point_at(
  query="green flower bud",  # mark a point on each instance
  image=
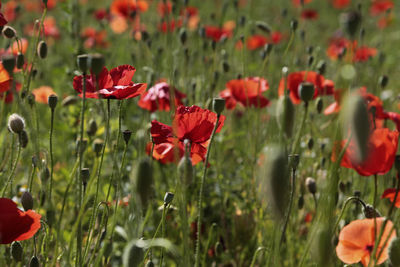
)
(27, 201)
(34, 262)
(8, 63)
(17, 251)
(20, 60)
(42, 49)
(168, 198)
(96, 63)
(311, 185)
(218, 105)
(285, 115)
(263, 26)
(92, 128)
(9, 32)
(16, 123)
(52, 101)
(82, 62)
(306, 91)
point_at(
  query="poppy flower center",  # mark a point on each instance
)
(369, 248)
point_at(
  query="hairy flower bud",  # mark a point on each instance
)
(9, 32)
(17, 251)
(16, 123)
(311, 185)
(8, 62)
(42, 49)
(27, 201)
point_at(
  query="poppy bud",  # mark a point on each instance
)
(263, 26)
(242, 21)
(42, 49)
(310, 49)
(322, 246)
(96, 63)
(92, 128)
(85, 174)
(321, 67)
(16, 251)
(168, 198)
(127, 136)
(8, 62)
(144, 181)
(23, 139)
(98, 146)
(9, 32)
(355, 119)
(303, 38)
(149, 264)
(310, 61)
(311, 185)
(185, 170)
(300, 202)
(183, 35)
(370, 212)
(319, 105)
(293, 24)
(294, 160)
(306, 91)
(394, 252)
(310, 143)
(218, 105)
(20, 60)
(133, 254)
(383, 81)
(16, 123)
(52, 101)
(275, 184)
(27, 201)
(35, 161)
(351, 21)
(44, 174)
(82, 62)
(45, 3)
(34, 262)
(225, 66)
(285, 115)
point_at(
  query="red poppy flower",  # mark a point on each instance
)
(15, 224)
(310, 14)
(170, 26)
(3, 20)
(294, 80)
(8, 96)
(125, 8)
(94, 38)
(256, 41)
(164, 8)
(357, 240)
(217, 33)
(101, 14)
(390, 193)
(247, 91)
(380, 6)
(364, 53)
(336, 47)
(157, 98)
(277, 37)
(339, 4)
(192, 123)
(382, 147)
(115, 84)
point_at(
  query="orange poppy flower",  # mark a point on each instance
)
(390, 193)
(4, 79)
(357, 239)
(42, 94)
(382, 147)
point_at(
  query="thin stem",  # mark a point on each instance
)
(296, 143)
(197, 255)
(344, 208)
(259, 250)
(163, 233)
(11, 176)
(51, 153)
(290, 206)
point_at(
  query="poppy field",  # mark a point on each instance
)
(199, 133)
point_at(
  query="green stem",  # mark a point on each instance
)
(163, 233)
(259, 250)
(51, 153)
(11, 176)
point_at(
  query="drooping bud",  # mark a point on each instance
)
(17, 251)
(310, 143)
(42, 49)
(34, 262)
(168, 198)
(16, 123)
(306, 91)
(355, 120)
(85, 174)
(144, 181)
(52, 101)
(370, 212)
(285, 115)
(311, 185)
(8, 62)
(27, 201)
(23, 139)
(294, 24)
(351, 22)
(96, 63)
(394, 252)
(20, 60)
(9, 32)
(319, 105)
(218, 105)
(82, 62)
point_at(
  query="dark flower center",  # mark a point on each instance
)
(369, 248)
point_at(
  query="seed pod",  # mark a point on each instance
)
(311, 185)
(285, 115)
(218, 105)
(133, 255)
(306, 91)
(42, 49)
(275, 181)
(394, 252)
(370, 212)
(34, 262)
(9, 32)
(16, 123)
(294, 24)
(52, 101)
(351, 22)
(8, 62)
(82, 62)
(17, 251)
(354, 116)
(149, 264)
(319, 105)
(96, 63)
(144, 181)
(27, 201)
(85, 174)
(20, 60)
(23, 139)
(98, 146)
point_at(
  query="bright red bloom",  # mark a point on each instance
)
(390, 193)
(247, 91)
(359, 54)
(294, 80)
(364, 53)
(277, 37)
(171, 26)
(357, 240)
(192, 123)
(94, 38)
(114, 84)
(310, 14)
(380, 6)
(382, 147)
(157, 98)
(337, 47)
(15, 224)
(101, 14)
(125, 8)
(217, 33)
